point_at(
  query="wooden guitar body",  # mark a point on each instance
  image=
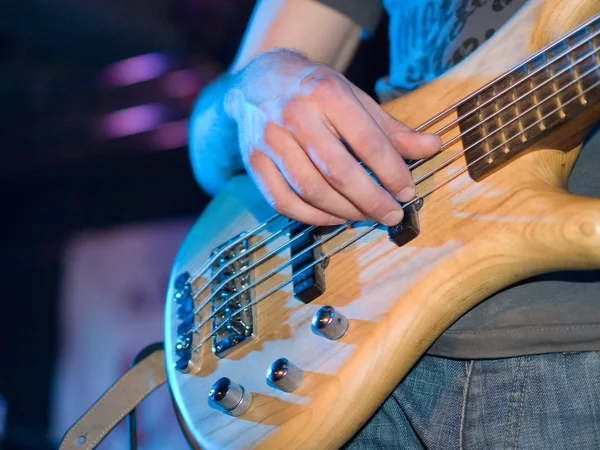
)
(476, 238)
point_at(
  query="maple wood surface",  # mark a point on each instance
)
(476, 238)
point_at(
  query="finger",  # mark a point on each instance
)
(345, 175)
(368, 141)
(409, 143)
(412, 146)
(281, 197)
(303, 177)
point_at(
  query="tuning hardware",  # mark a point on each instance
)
(181, 280)
(183, 345)
(229, 397)
(284, 375)
(184, 294)
(329, 323)
(183, 363)
(185, 308)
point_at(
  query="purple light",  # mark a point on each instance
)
(135, 70)
(130, 121)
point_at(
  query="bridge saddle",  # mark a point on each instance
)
(229, 292)
(234, 294)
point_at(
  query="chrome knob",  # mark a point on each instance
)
(284, 375)
(229, 397)
(329, 323)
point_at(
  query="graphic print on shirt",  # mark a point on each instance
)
(429, 37)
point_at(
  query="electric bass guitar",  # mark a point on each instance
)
(283, 335)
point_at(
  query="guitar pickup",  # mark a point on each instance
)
(409, 228)
(310, 283)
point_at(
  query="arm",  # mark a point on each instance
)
(317, 31)
(280, 114)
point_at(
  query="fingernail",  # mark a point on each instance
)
(434, 139)
(393, 218)
(333, 220)
(406, 194)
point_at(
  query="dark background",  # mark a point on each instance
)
(58, 178)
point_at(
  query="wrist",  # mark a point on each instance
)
(213, 140)
(268, 67)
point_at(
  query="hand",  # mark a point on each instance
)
(291, 114)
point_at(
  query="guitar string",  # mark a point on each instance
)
(518, 99)
(554, 94)
(228, 246)
(416, 181)
(566, 53)
(515, 68)
(247, 252)
(264, 241)
(254, 248)
(247, 268)
(542, 52)
(512, 86)
(433, 120)
(280, 267)
(348, 242)
(341, 228)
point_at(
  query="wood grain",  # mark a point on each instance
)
(476, 238)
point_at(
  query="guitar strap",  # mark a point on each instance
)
(118, 401)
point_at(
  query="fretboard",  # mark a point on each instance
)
(525, 105)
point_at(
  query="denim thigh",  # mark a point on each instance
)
(549, 401)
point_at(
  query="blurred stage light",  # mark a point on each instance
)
(134, 120)
(135, 70)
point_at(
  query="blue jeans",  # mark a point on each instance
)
(549, 401)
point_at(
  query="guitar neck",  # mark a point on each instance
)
(518, 110)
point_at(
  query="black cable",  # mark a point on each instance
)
(131, 418)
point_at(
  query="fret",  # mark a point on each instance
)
(498, 120)
(534, 95)
(592, 43)
(576, 70)
(517, 110)
(526, 104)
(555, 88)
(485, 132)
